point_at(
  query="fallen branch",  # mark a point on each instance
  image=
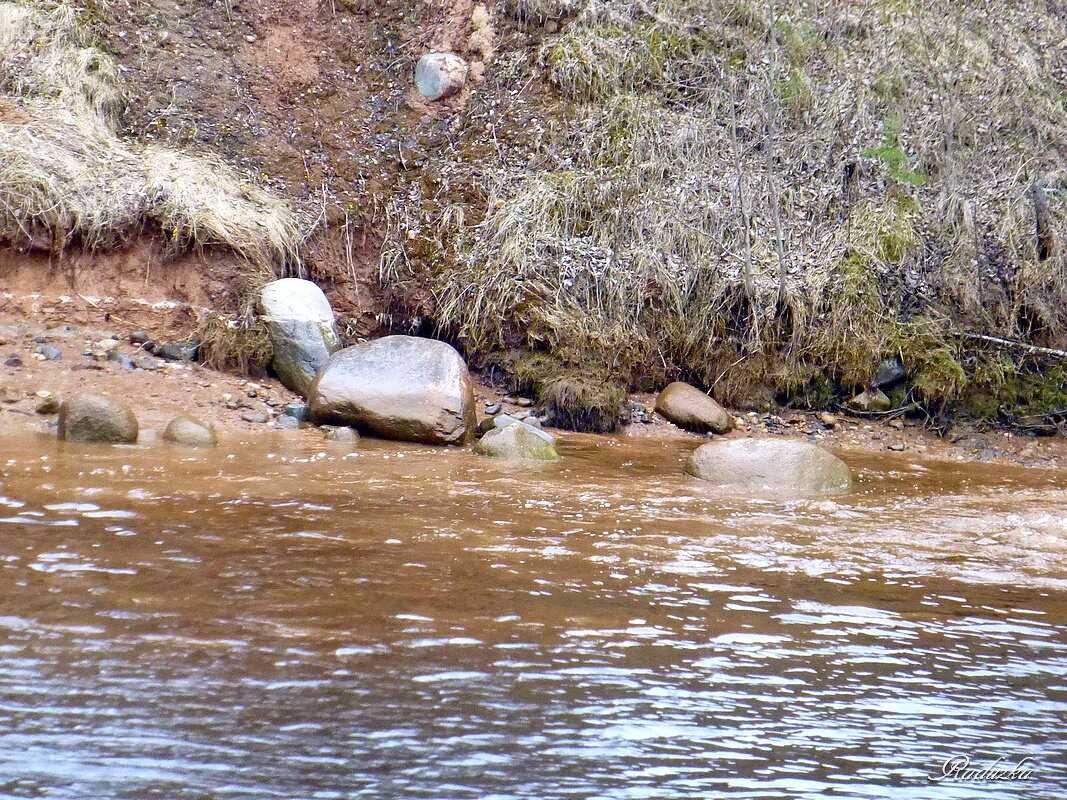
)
(1028, 348)
(899, 411)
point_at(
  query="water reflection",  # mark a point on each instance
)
(403, 622)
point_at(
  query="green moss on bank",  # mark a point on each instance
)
(769, 201)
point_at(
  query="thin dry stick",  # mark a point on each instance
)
(1027, 348)
(750, 291)
(770, 132)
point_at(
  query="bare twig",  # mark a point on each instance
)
(1028, 348)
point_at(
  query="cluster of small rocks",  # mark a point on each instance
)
(98, 348)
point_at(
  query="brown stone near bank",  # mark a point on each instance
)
(769, 464)
(398, 387)
(85, 417)
(191, 432)
(688, 407)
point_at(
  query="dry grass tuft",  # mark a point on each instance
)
(66, 176)
(235, 342)
(764, 199)
(238, 342)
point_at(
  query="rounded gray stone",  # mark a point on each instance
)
(769, 464)
(85, 417)
(191, 432)
(440, 75)
(302, 330)
(516, 442)
(688, 407)
(398, 387)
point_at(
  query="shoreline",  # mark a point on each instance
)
(238, 405)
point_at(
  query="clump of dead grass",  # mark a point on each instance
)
(754, 195)
(67, 176)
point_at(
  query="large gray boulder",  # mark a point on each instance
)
(688, 407)
(518, 441)
(191, 432)
(301, 327)
(440, 75)
(397, 387)
(85, 417)
(769, 464)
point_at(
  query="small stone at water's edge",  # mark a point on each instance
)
(190, 432)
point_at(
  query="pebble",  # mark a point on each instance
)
(896, 424)
(50, 352)
(335, 433)
(258, 417)
(178, 351)
(145, 361)
(287, 422)
(297, 411)
(48, 405)
(140, 337)
(492, 409)
(123, 360)
(897, 447)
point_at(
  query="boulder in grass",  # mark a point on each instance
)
(516, 442)
(85, 417)
(191, 432)
(398, 387)
(302, 330)
(871, 401)
(688, 407)
(769, 464)
(440, 75)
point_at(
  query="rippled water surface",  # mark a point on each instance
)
(292, 619)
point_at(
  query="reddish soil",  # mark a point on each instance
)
(311, 97)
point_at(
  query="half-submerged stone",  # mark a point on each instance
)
(397, 387)
(688, 407)
(85, 417)
(769, 464)
(191, 432)
(300, 322)
(516, 442)
(440, 75)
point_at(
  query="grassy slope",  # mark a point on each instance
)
(764, 198)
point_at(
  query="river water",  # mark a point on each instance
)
(287, 618)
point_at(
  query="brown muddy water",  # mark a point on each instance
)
(292, 619)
